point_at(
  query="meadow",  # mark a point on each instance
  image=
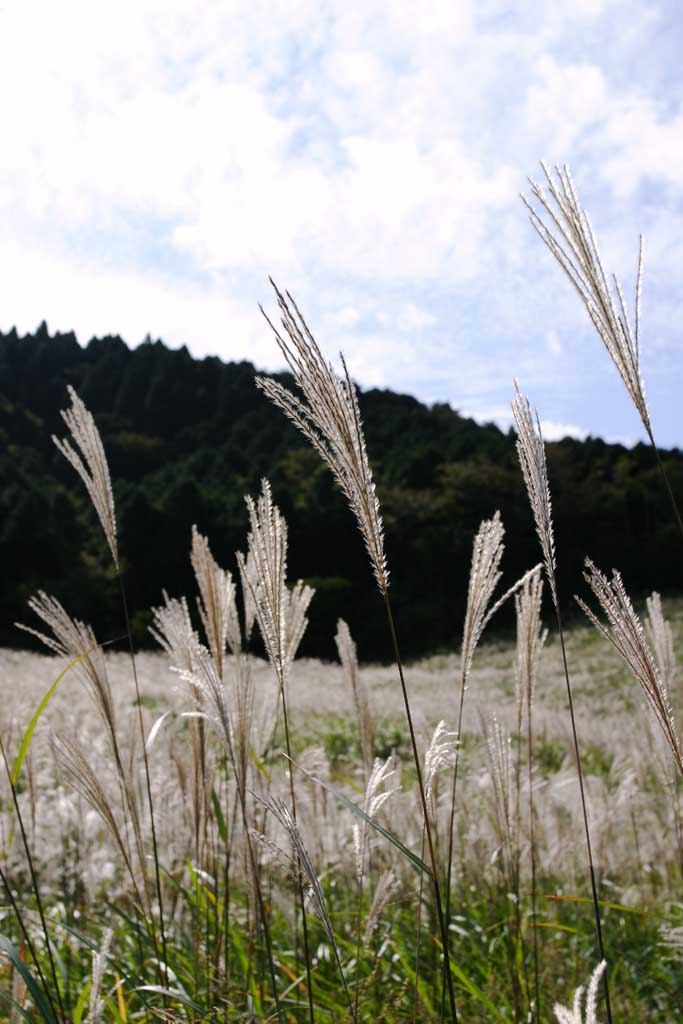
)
(491, 834)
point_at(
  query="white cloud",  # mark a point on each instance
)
(159, 160)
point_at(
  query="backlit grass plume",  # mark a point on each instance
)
(574, 1015)
(567, 232)
(624, 631)
(564, 226)
(90, 462)
(329, 416)
(531, 453)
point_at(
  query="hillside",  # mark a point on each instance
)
(187, 438)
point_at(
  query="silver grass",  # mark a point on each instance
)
(661, 637)
(348, 656)
(624, 631)
(99, 963)
(81, 776)
(565, 1015)
(387, 887)
(563, 225)
(530, 639)
(531, 452)
(90, 462)
(440, 754)
(299, 865)
(329, 416)
(502, 773)
(375, 798)
(248, 577)
(173, 630)
(216, 601)
(485, 574)
(73, 639)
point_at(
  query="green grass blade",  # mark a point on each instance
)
(42, 1005)
(416, 861)
(28, 735)
(24, 1013)
(218, 814)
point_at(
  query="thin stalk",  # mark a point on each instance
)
(667, 483)
(27, 938)
(358, 946)
(155, 848)
(253, 865)
(34, 883)
(419, 931)
(591, 868)
(425, 813)
(532, 853)
(307, 957)
(451, 820)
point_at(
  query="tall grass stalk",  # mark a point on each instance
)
(530, 639)
(568, 234)
(281, 615)
(203, 676)
(531, 452)
(329, 416)
(36, 891)
(485, 574)
(89, 460)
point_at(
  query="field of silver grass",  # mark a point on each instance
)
(200, 835)
(636, 825)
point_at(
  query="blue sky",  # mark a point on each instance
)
(161, 158)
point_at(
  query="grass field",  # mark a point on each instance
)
(634, 825)
(200, 835)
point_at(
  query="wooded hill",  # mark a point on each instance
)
(187, 439)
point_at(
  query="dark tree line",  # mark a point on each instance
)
(187, 439)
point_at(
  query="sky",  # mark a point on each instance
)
(161, 159)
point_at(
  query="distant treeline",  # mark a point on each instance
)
(187, 439)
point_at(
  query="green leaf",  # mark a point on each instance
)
(218, 813)
(25, 1014)
(37, 994)
(601, 903)
(416, 861)
(259, 764)
(28, 735)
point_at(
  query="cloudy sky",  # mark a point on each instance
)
(161, 158)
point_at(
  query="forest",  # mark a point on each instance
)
(188, 438)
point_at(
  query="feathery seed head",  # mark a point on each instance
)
(565, 1015)
(90, 462)
(661, 637)
(216, 603)
(531, 452)
(624, 631)
(349, 659)
(440, 754)
(329, 416)
(567, 233)
(530, 638)
(73, 639)
(280, 612)
(374, 800)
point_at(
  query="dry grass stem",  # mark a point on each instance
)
(625, 632)
(568, 234)
(90, 462)
(329, 416)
